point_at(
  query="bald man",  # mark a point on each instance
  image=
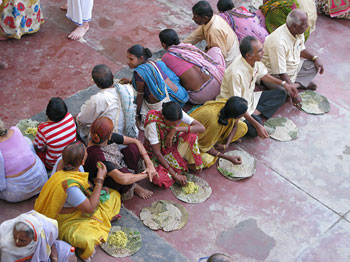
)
(285, 55)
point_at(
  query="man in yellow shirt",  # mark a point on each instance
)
(284, 48)
(214, 30)
(240, 78)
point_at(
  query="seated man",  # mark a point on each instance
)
(112, 101)
(284, 48)
(200, 73)
(214, 30)
(240, 78)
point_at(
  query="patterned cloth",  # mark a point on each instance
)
(19, 17)
(276, 12)
(342, 11)
(172, 154)
(245, 23)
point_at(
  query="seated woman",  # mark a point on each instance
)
(276, 12)
(22, 174)
(83, 220)
(242, 21)
(18, 17)
(200, 73)
(154, 82)
(336, 10)
(222, 127)
(173, 148)
(33, 237)
(101, 134)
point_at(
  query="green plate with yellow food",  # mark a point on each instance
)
(122, 242)
(197, 190)
(237, 172)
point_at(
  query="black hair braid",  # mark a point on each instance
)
(222, 117)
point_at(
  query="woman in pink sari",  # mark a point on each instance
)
(242, 21)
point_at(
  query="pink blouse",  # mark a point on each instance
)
(176, 64)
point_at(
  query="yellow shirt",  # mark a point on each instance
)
(282, 52)
(239, 80)
(309, 7)
(216, 32)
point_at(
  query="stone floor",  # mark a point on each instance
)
(297, 205)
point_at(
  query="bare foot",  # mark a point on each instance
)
(79, 32)
(142, 192)
(64, 7)
(312, 86)
(3, 65)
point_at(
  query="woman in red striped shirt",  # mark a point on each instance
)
(55, 134)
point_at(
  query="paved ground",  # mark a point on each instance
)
(297, 205)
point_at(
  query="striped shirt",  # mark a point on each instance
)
(55, 136)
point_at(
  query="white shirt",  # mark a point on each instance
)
(239, 80)
(282, 52)
(105, 103)
(151, 133)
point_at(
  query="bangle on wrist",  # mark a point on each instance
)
(98, 180)
(189, 129)
(314, 58)
(283, 83)
(218, 154)
(224, 147)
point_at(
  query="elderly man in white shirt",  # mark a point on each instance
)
(240, 78)
(284, 53)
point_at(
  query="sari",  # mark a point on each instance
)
(156, 84)
(276, 12)
(245, 23)
(20, 17)
(83, 231)
(333, 8)
(208, 115)
(183, 150)
(39, 249)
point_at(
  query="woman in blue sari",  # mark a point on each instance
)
(154, 82)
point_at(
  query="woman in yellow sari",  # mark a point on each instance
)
(222, 127)
(83, 219)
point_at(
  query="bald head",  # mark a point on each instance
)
(296, 17)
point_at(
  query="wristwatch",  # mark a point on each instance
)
(314, 58)
(283, 83)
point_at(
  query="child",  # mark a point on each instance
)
(55, 134)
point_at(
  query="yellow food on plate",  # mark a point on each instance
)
(118, 239)
(31, 131)
(190, 188)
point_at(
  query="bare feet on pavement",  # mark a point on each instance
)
(142, 192)
(79, 32)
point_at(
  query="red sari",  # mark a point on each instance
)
(171, 154)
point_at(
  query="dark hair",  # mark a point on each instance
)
(101, 129)
(169, 37)
(171, 111)
(225, 5)
(56, 109)
(246, 45)
(73, 155)
(102, 76)
(218, 257)
(139, 51)
(202, 8)
(235, 106)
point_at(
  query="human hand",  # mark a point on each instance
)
(236, 160)
(106, 189)
(319, 66)
(297, 102)
(262, 132)
(151, 172)
(124, 81)
(292, 89)
(169, 138)
(181, 179)
(101, 170)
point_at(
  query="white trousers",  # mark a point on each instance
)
(79, 11)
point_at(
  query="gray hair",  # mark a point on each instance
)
(246, 45)
(21, 227)
(3, 129)
(294, 17)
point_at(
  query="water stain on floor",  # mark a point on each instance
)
(246, 239)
